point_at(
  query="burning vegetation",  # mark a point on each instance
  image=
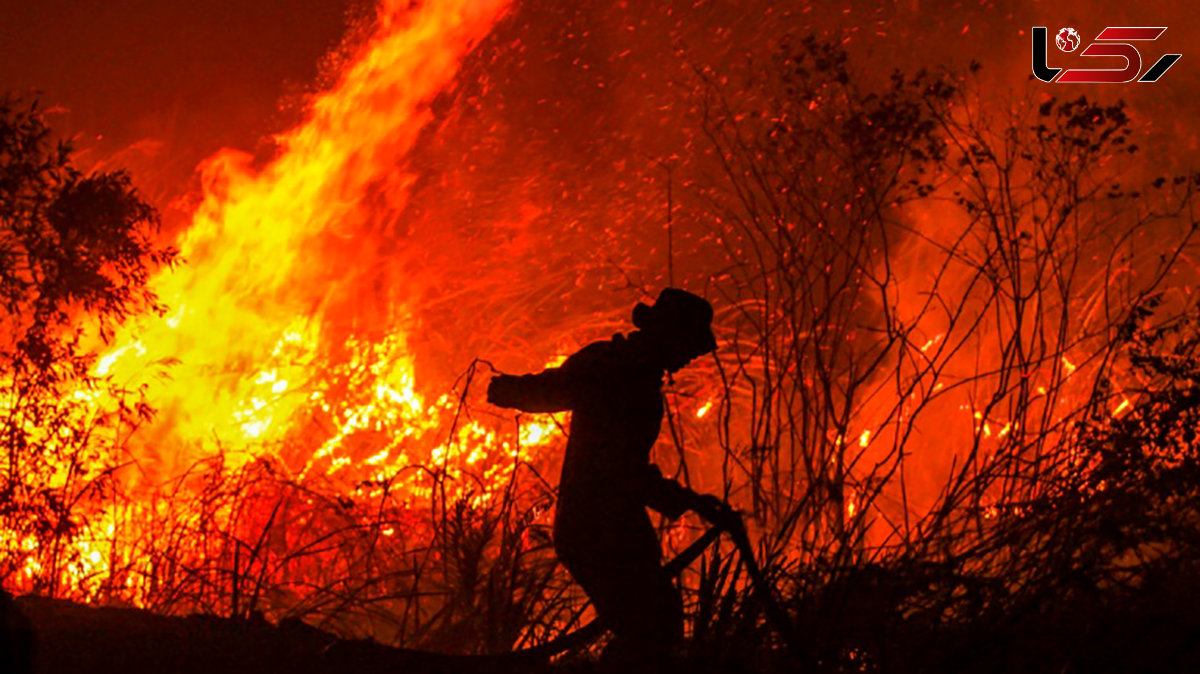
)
(954, 396)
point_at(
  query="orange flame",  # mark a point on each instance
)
(274, 337)
(273, 255)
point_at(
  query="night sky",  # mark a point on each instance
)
(157, 86)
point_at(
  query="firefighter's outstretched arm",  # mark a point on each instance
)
(548, 391)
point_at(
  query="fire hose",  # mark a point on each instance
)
(730, 523)
(726, 521)
(766, 593)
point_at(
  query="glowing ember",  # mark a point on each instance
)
(287, 355)
(258, 338)
(272, 347)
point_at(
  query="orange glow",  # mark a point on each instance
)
(255, 309)
(261, 349)
(287, 345)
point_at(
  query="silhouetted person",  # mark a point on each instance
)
(602, 532)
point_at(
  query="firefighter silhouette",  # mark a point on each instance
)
(602, 532)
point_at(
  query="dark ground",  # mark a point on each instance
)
(68, 637)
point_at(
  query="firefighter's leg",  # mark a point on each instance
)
(647, 623)
(618, 565)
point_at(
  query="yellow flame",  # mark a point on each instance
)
(1125, 404)
(269, 251)
(258, 346)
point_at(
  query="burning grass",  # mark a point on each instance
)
(953, 395)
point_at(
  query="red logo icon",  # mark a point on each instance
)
(1113, 41)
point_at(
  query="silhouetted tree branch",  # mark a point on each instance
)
(76, 252)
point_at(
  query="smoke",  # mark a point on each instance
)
(516, 211)
(551, 143)
(544, 173)
(157, 87)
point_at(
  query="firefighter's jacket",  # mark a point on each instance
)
(614, 390)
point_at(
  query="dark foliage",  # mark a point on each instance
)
(1069, 543)
(1063, 535)
(76, 252)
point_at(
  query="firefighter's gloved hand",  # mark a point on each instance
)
(502, 390)
(715, 511)
(666, 496)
